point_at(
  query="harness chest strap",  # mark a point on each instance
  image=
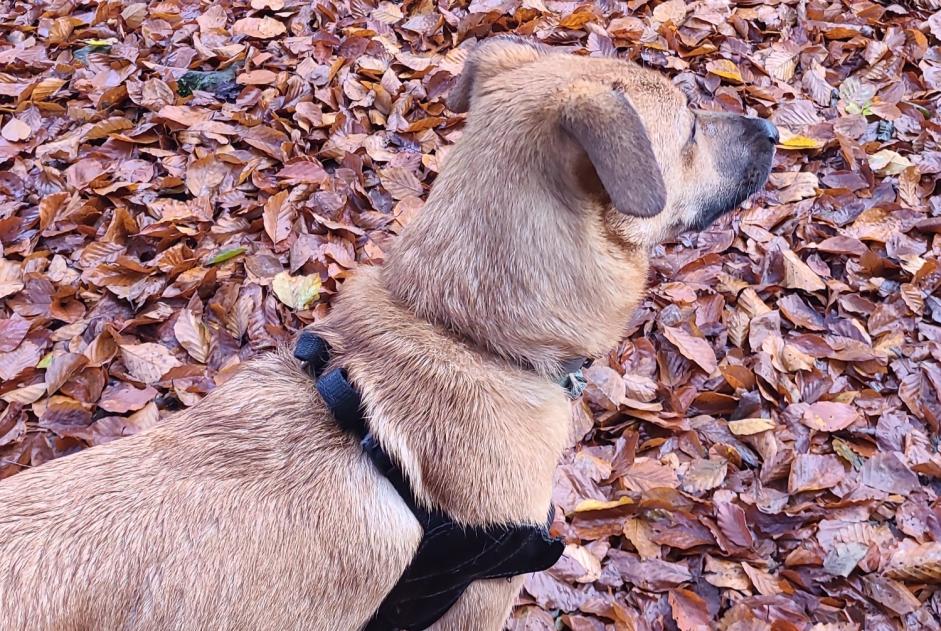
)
(450, 556)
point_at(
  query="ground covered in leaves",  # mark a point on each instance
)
(185, 184)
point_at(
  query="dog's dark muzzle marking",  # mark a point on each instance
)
(450, 556)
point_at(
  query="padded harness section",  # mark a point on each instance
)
(450, 556)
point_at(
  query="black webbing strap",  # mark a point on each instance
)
(450, 556)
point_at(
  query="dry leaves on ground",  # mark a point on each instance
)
(184, 185)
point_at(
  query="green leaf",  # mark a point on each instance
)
(224, 255)
(845, 451)
(46, 361)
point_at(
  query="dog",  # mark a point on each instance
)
(254, 510)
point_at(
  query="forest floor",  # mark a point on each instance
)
(761, 453)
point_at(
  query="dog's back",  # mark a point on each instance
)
(215, 519)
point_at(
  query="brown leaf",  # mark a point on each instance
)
(810, 472)
(604, 387)
(13, 363)
(124, 397)
(192, 335)
(11, 278)
(694, 348)
(303, 171)
(62, 369)
(727, 574)
(279, 217)
(268, 140)
(893, 594)
(637, 531)
(689, 610)
(916, 563)
(24, 396)
(765, 583)
(830, 416)
(886, 472)
(704, 475)
(257, 77)
(798, 275)
(647, 473)
(205, 176)
(749, 426)
(731, 520)
(101, 350)
(262, 28)
(400, 182)
(16, 130)
(147, 362)
(654, 575)
(13, 330)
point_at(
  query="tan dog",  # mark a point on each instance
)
(252, 510)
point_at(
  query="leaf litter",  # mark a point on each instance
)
(184, 186)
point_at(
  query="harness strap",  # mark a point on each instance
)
(450, 556)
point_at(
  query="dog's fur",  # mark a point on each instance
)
(252, 510)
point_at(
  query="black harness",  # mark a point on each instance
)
(450, 556)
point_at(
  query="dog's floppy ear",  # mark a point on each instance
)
(601, 119)
(488, 59)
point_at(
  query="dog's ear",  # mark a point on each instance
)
(488, 59)
(601, 119)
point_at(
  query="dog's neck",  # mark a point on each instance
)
(534, 278)
(462, 405)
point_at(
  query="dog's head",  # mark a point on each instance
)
(612, 130)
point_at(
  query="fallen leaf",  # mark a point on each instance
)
(123, 397)
(257, 77)
(279, 217)
(62, 368)
(297, 292)
(916, 563)
(689, 610)
(148, 362)
(16, 130)
(798, 275)
(830, 416)
(694, 348)
(262, 28)
(797, 142)
(705, 474)
(749, 426)
(646, 474)
(725, 69)
(810, 472)
(192, 335)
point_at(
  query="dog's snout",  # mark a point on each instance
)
(771, 131)
(761, 128)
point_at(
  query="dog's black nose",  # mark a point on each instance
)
(770, 131)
